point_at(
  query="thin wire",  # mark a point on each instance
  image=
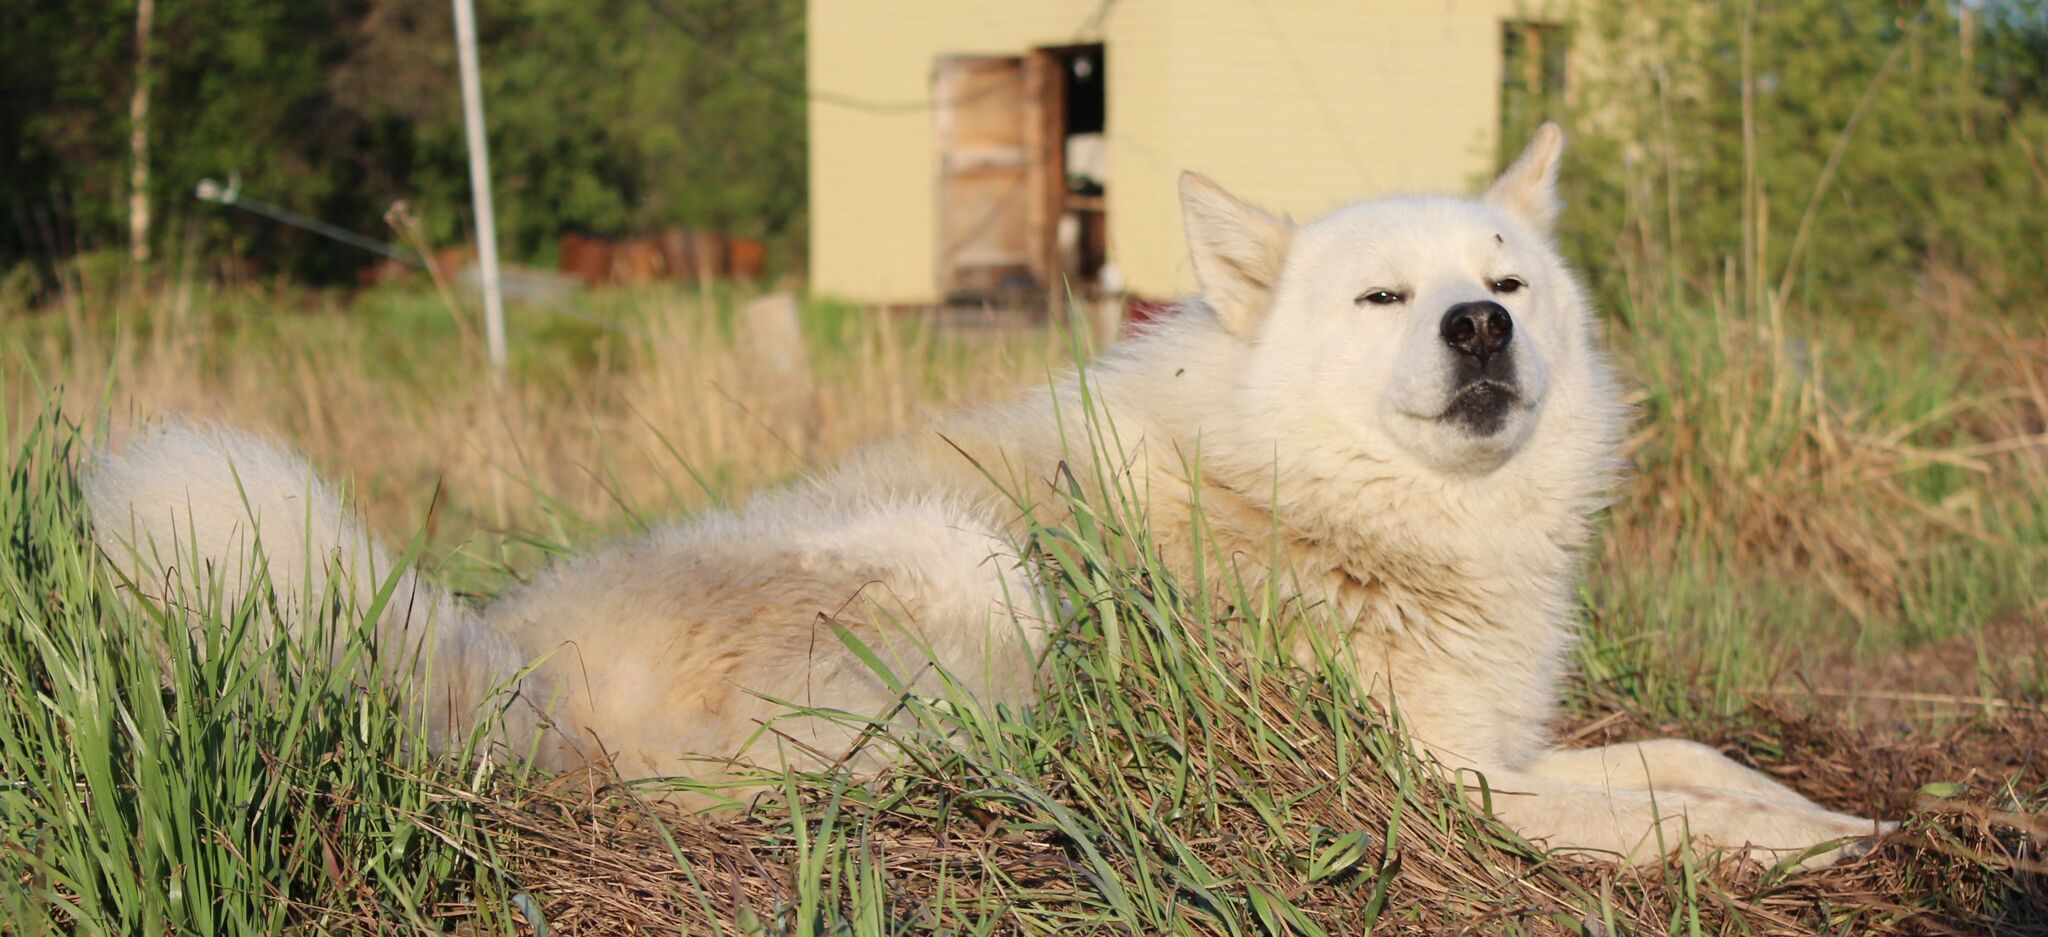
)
(315, 225)
(258, 206)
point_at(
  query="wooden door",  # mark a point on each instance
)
(989, 130)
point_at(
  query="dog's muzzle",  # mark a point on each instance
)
(1483, 385)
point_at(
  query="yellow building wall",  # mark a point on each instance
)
(1299, 105)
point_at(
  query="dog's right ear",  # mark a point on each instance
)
(1238, 251)
(1528, 189)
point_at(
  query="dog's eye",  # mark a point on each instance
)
(1506, 285)
(1381, 298)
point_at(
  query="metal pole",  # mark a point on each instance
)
(480, 183)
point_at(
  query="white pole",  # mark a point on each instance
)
(480, 184)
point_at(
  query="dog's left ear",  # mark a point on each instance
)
(1528, 189)
(1238, 249)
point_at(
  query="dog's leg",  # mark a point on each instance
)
(1659, 764)
(1640, 826)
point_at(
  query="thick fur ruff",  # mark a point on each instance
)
(1399, 412)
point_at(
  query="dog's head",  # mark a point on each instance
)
(1440, 325)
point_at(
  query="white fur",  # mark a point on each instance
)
(1450, 556)
(181, 508)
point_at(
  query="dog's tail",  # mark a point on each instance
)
(186, 511)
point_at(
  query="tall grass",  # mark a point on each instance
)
(181, 768)
(1822, 510)
(1819, 492)
(640, 405)
(169, 770)
(1843, 454)
(1815, 493)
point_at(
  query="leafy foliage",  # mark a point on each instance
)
(607, 117)
(1911, 137)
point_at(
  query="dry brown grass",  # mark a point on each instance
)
(1818, 500)
(1791, 455)
(573, 440)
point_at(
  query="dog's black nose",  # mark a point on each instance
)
(1478, 329)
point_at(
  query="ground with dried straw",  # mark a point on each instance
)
(1969, 860)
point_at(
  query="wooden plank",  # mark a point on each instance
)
(986, 166)
(1044, 181)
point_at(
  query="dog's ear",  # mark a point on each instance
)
(1528, 189)
(1238, 251)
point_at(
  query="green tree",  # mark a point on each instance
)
(688, 113)
(1939, 169)
(605, 117)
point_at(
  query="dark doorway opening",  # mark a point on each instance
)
(1080, 235)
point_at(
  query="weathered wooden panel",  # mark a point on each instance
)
(983, 127)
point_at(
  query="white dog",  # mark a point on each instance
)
(1400, 413)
